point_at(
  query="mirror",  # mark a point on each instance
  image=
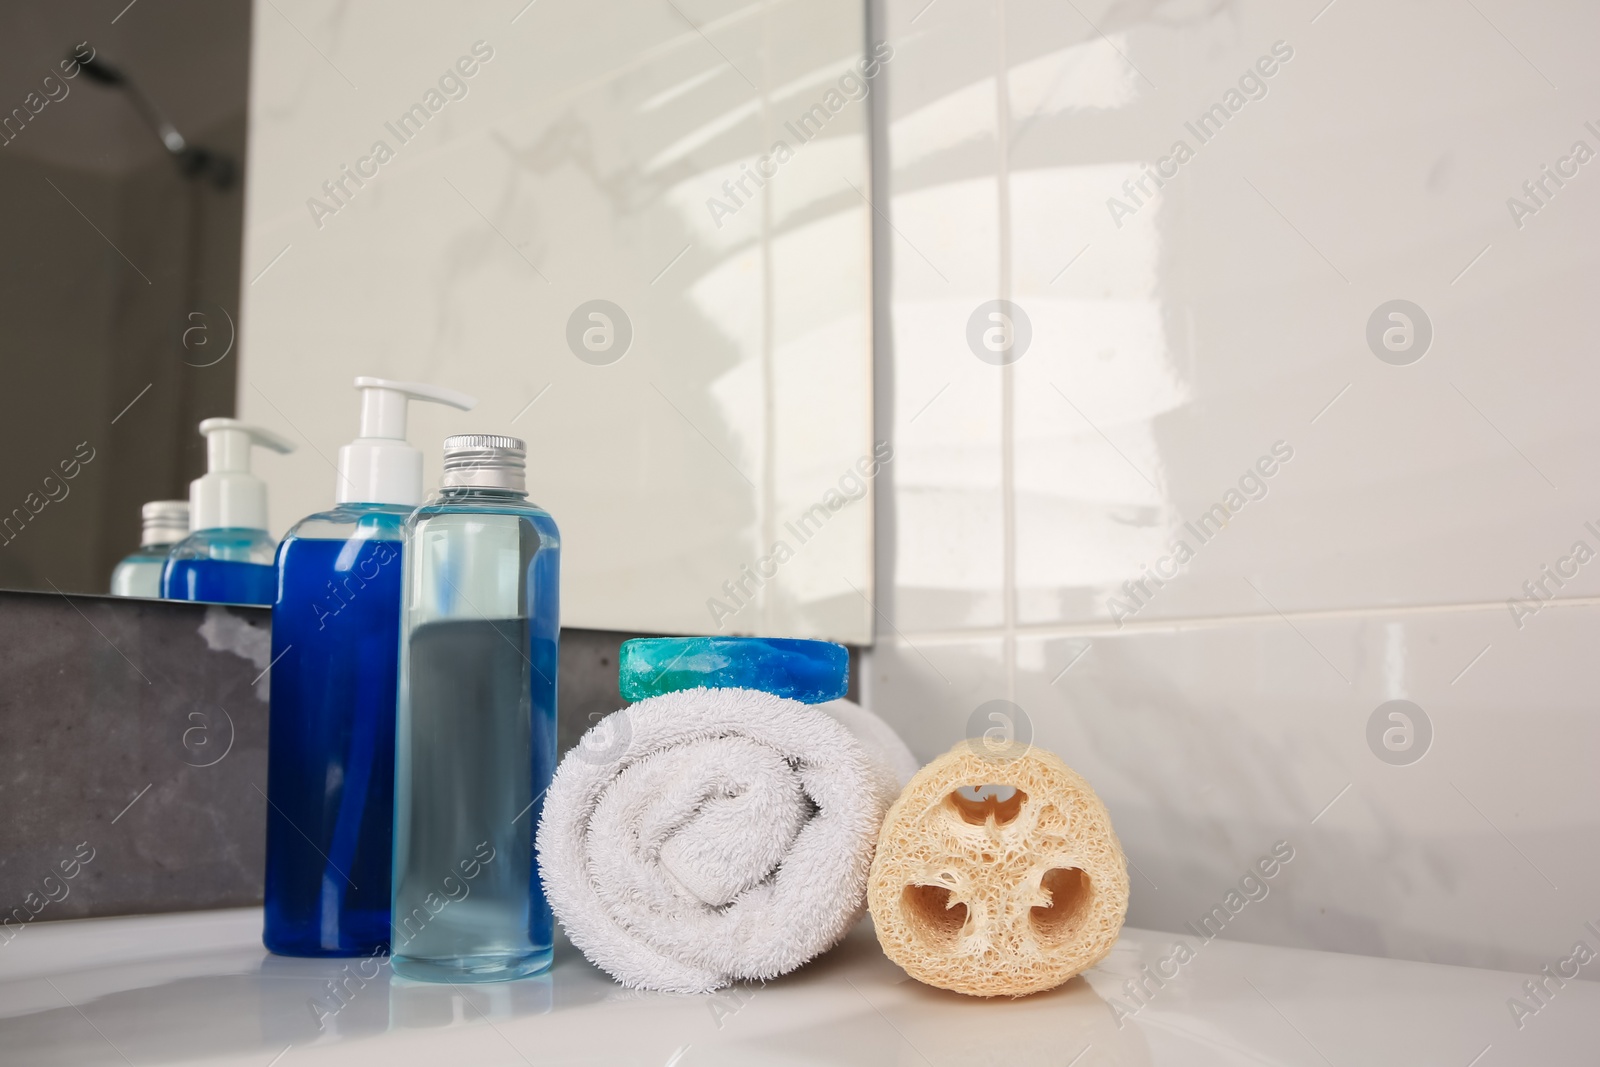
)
(122, 145)
(638, 232)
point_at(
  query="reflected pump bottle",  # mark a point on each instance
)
(335, 649)
(476, 735)
(228, 559)
(166, 522)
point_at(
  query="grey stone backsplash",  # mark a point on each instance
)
(133, 765)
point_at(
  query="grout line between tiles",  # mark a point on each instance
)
(1008, 380)
(1206, 622)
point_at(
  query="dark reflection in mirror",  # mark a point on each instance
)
(122, 139)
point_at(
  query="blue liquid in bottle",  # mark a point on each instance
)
(330, 769)
(223, 566)
(475, 739)
(139, 574)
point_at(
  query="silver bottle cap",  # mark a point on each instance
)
(485, 461)
(166, 522)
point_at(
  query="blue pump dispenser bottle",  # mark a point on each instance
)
(335, 646)
(228, 557)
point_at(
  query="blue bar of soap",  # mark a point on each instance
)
(811, 672)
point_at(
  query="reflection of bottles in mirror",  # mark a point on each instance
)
(166, 522)
(475, 738)
(227, 566)
(228, 559)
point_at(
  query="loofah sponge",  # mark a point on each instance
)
(997, 873)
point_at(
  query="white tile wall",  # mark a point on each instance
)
(577, 164)
(1228, 708)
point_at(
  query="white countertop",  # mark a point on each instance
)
(199, 989)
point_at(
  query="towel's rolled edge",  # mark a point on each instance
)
(610, 746)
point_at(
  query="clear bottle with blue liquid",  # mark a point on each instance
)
(228, 559)
(475, 744)
(335, 651)
(165, 523)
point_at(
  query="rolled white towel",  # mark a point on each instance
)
(711, 835)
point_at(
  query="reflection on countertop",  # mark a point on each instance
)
(198, 988)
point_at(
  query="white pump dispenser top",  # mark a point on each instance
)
(228, 496)
(380, 466)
